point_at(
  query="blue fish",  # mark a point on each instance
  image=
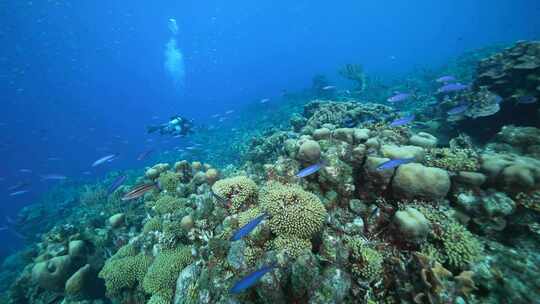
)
(527, 100)
(393, 163)
(446, 79)
(251, 279)
(402, 121)
(247, 228)
(399, 97)
(116, 183)
(452, 87)
(310, 169)
(458, 110)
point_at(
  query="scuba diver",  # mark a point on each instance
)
(177, 126)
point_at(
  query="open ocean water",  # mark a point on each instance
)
(270, 151)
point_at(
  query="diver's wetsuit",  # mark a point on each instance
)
(177, 126)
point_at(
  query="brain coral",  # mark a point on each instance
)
(162, 274)
(240, 190)
(293, 211)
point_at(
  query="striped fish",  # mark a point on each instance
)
(139, 191)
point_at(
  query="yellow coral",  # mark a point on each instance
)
(167, 204)
(162, 274)
(246, 216)
(153, 224)
(293, 211)
(158, 299)
(252, 254)
(367, 262)
(124, 272)
(529, 201)
(169, 181)
(240, 190)
(453, 159)
(293, 246)
(459, 246)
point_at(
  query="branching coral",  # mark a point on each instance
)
(124, 270)
(162, 274)
(450, 243)
(291, 245)
(173, 232)
(248, 215)
(459, 246)
(529, 201)
(252, 254)
(153, 224)
(169, 181)
(367, 263)
(293, 211)
(167, 204)
(455, 159)
(240, 190)
(321, 112)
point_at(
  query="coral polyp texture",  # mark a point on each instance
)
(292, 211)
(241, 191)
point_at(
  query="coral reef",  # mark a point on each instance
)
(455, 159)
(293, 211)
(160, 279)
(457, 224)
(240, 191)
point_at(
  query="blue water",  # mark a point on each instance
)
(82, 79)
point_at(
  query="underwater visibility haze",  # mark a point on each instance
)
(270, 151)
